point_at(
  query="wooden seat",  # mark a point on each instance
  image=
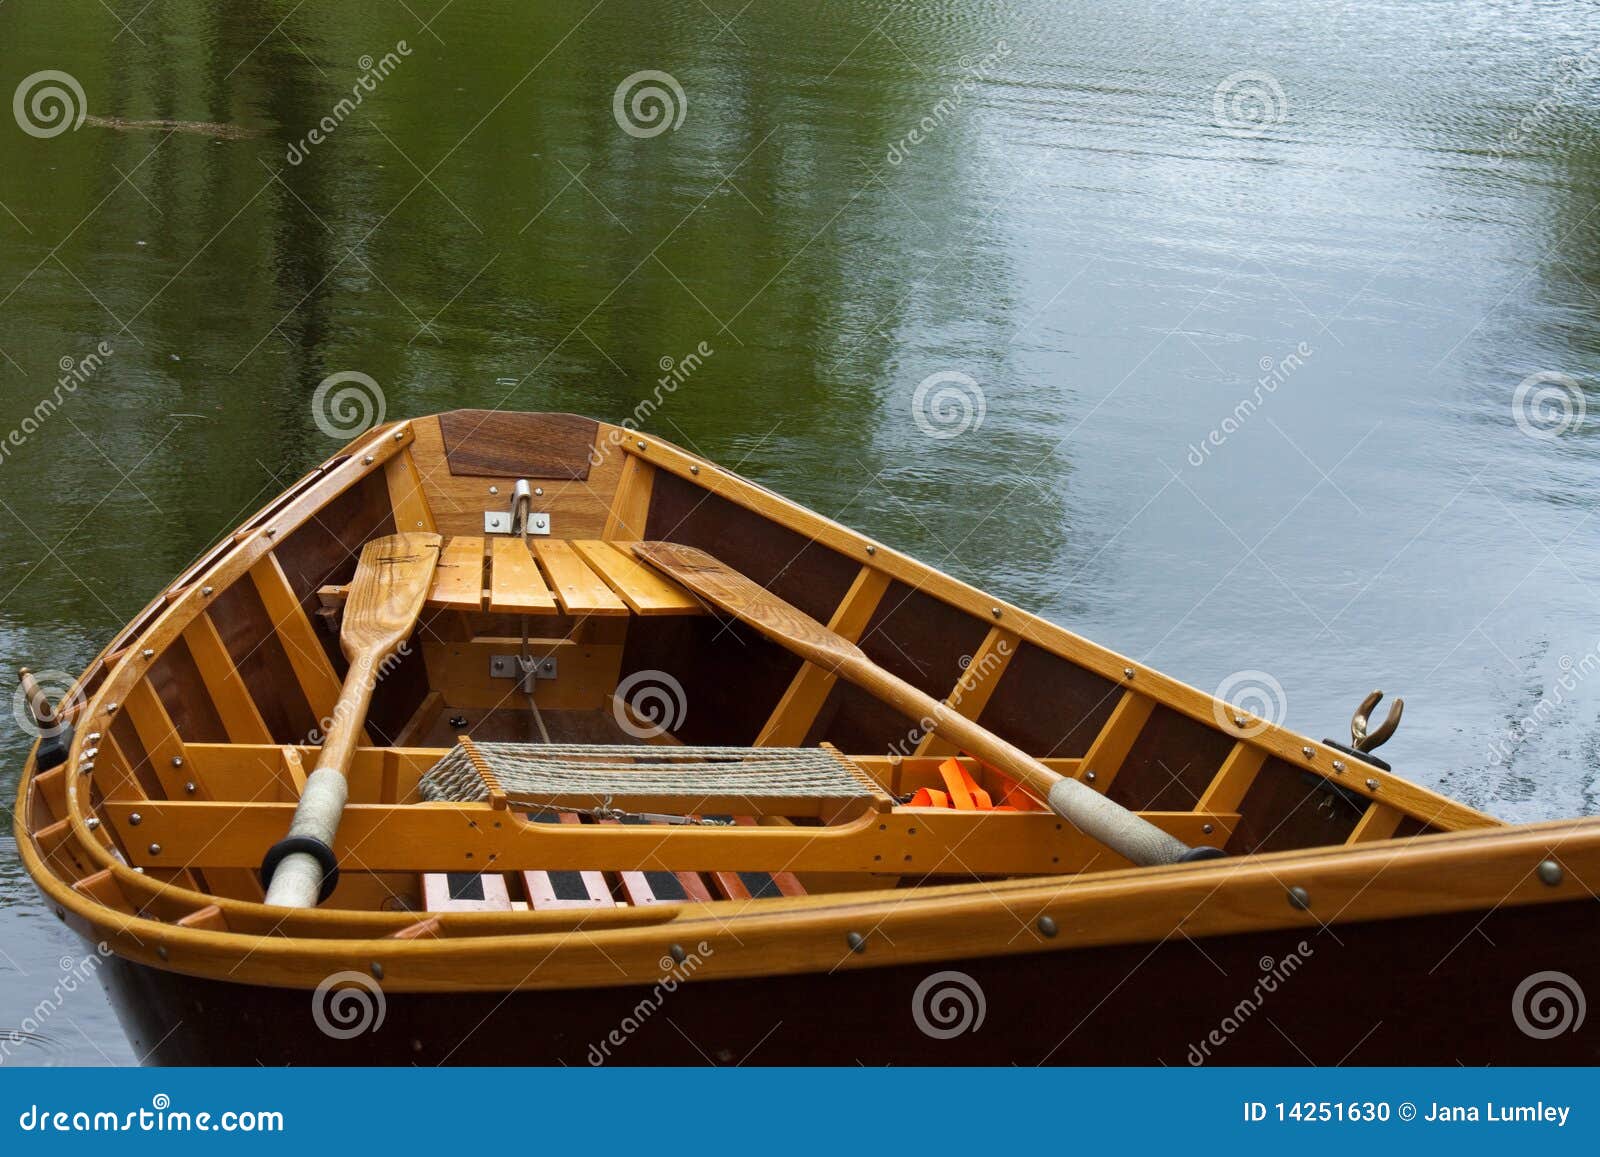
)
(565, 889)
(643, 889)
(755, 885)
(465, 892)
(502, 576)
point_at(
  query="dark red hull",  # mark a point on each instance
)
(1437, 990)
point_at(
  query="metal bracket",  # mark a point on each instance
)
(499, 522)
(509, 667)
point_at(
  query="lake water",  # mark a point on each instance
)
(1279, 317)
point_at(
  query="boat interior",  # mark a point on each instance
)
(543, 636)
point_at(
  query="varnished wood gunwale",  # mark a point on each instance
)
(166, 618)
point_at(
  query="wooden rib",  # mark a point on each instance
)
(312, 670)
(579, 590)
(428, 929)
(240, 717)
(1378, 822)
(515, 585)
(976, 684)
(210, 918)
(158, 735)
(1233, 779)
(458, 582)
(797, 710)
(411, 510)
(645, 591)
(113, 771)
(1116, 739)
(630, 509)
(291, 773)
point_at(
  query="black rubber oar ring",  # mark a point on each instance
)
(311, 846)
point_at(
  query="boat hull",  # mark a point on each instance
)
(1437, 990)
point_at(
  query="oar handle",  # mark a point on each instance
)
(1129, 835)
(300, 870)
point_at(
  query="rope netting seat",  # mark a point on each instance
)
(530, 773)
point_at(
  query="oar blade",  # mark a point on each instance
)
(391, 582)
(724, 589)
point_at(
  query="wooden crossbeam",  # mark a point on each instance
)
(465, 837)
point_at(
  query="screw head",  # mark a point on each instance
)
(694, 470)
(1338, 765)
(155, 849)
(1550, 872)
(1240, 721)
(538, 491)
(996, 612)
(856, 941)
(641, 444)
(1127, 672)
(1047, 927)
(376, 969)
(1372, 785)
(91, 823)
(1089, 776)
(136, 819)
(177, 761)
(494, 490)
(677, 953)
(1207, 829)
(161, 951)
(148, 653)
(872, 550)
(399, 435)
(191, 787)
(1308, 752)
(1299, 898)
(208, 591)
(366, 460)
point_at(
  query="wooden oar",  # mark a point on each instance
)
(727, 590)
(391, 581)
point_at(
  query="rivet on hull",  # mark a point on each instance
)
(377, 970)
(1550, 872)
(1047, 927)
(856, 941)
(155, 849)
(677, 953)
(1299, 898)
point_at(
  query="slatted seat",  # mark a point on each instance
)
(643, 889)
(465, 892)
(567, 889)
(501, 575)
(755, 885)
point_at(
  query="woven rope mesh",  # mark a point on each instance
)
(531, 772)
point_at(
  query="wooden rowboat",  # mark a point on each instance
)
(756, 854)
